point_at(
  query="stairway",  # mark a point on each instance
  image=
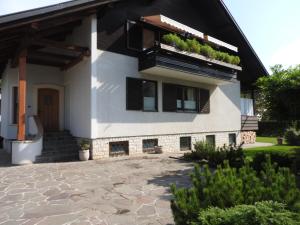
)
(58, 146)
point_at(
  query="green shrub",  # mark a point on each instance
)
(261, 213)
(193, 45)
(229, 187)
(292, 136)
(281, 159)
(208, 51)
(216, 155)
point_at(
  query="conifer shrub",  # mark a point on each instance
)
(215, 156)
(261, 213)
(228, 187)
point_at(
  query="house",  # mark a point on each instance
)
(104, 70)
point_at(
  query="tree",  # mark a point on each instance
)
(280, 93)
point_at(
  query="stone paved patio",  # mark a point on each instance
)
(129, 191)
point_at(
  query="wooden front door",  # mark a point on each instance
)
(48, 108)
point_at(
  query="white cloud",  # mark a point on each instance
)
(287, 55)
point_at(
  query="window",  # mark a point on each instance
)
(141, 94)
(134, 35)
(15, 105)
(177, 98)
(232, 139)
(118, 148)
(149, 144)
(185, 143)
(210, 139)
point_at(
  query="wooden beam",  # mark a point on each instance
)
(23, 45)
(45, 62)
(22, 96)
(51, 56)
(56, 44)
(73, 63)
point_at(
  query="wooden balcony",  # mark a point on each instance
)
(165, 60)
(249, 123)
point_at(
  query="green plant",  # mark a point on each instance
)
(192, 45)
(261, 213)
(229, 187)
(292, 135)
(216, 155)
(208, 51)
(84, 145)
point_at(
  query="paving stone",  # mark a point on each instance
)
(123, 191)
(146, 210)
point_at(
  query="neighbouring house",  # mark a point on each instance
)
(113, 72)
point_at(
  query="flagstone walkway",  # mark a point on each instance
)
(123, 191)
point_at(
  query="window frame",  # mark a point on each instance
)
(125, 144)
(232, 134)
(214, 138)
(145, 150)
(142, 95)
(183, 88)
(189, 141)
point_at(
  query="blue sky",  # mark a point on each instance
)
(271, 26)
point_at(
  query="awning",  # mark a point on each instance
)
(169, 24)
(172, 25)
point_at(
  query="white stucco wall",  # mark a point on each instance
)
(111, 119)
(77, 81)
(37, 76)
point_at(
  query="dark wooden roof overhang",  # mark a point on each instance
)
(43, 32)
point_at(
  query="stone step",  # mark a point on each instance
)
(58, 146)
(57, 158)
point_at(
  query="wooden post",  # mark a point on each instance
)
(22, 96)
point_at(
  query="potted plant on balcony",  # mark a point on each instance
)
(84, 151)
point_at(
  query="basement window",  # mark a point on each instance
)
(211, 139)
(232, 139)
(185, 143)
(149, 144)
(118, 148)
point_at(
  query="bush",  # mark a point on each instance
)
(192, 45)
(216, 155)
(261, 213)
(229, 187)
(292, 136)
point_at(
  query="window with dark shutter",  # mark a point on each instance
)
(141, 94)
(134, 36)
(169, 97)
(204, 105)
(134, 89)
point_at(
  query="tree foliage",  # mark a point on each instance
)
(280, 93)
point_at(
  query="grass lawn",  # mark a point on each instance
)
(281, 149)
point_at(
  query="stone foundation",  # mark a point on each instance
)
(169, 143)
(248, 137)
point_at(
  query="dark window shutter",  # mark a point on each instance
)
(134, 36)
(169, 97)
(134, 94)
(204, 105)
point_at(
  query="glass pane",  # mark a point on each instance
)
(185, 143)
(232, 139)
(190, 99)
(210, 139)
(149, 93)
(179, 97)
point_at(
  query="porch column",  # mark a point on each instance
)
(22, 96)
